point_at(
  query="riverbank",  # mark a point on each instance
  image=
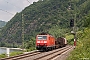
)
(5, 50)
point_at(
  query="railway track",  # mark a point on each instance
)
(40, 55)
(53, 54)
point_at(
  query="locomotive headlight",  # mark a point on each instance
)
(45, 41)
(38, 41)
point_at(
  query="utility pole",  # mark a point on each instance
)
(22, 31)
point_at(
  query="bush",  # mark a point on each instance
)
(70, 38)
(31, 49)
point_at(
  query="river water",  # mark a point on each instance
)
(4, 50)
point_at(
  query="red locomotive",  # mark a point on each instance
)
(46, 42)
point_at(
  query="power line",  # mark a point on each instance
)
(12, 4)
(28, 1)
(7, 11)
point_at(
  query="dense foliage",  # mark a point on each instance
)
(50, 16)
(82, 50)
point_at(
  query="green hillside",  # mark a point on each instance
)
(52, 16)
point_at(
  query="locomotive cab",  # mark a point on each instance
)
(45, 42)
(41, 41)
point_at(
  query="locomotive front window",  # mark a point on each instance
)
(42, 37)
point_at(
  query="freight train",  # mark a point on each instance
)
(47, 42)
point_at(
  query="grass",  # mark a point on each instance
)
(16, 53)
(2, 55)
(11, 54)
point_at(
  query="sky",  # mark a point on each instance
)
(8, 8)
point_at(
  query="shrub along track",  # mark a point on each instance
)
(40, 55)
